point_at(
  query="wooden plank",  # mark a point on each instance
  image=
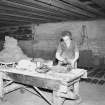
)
(5, 21)
(12, 21)
(53, 75)
(101, 3)
(67, 7)
(6, 24)
(24, 16)
(27, 6)
(61, 78)
(85, 7)
(34, 81)
(29, 73)
(21, 18)
(29, 9)
(32, 14)
(45, 7)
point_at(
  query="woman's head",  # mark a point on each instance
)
(66, 34)
(66, 37)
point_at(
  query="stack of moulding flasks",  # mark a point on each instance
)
(96, 76)
(85, 59)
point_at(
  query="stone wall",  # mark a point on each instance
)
(91, 43)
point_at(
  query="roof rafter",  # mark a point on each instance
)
(44, 7)
(21, 18)
(28, 15)
(66, 6)
(84, 7)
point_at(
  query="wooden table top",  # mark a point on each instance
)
(49, 80)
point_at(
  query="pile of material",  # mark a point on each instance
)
(38, 65)
(27, 65)
(11, 52)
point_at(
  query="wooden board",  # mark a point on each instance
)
(50, 80)
(35, 81)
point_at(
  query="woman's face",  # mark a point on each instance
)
(67, 40)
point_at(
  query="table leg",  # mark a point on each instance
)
(76, 88)
(42, 95)
(1, 85)
(57, 100)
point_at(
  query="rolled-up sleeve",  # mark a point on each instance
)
(59, 50)
(76, 48)
(59, 53)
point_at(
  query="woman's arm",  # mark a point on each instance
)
(76, 55)
(58, 53)
(73, 61)
(59, 57)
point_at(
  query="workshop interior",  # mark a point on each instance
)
(33, 39)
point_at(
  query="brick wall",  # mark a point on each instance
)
(92, 49)
(48, 35)
(95, 33)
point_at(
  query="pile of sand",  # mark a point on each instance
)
(11, 52)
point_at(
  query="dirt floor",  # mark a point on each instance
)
(91, 95)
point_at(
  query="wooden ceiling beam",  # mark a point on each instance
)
(4, 25)
(68, 7)
(101, 3)
(61, 6)
(13, 21)
(85, 7)
(10, 24)
(21, 18)
(42, 7)
(26, 8)
(37, 13)
(28, 15)
(31, 7)
(9, 18)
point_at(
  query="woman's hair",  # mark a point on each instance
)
(66, 33)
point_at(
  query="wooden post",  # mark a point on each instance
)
(57, 100)
(34, 37)
(1, 85)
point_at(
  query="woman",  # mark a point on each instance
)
(68, 53)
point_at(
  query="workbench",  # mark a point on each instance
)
(57, 82)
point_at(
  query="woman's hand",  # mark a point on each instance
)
(59, 57)
(71, 62)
